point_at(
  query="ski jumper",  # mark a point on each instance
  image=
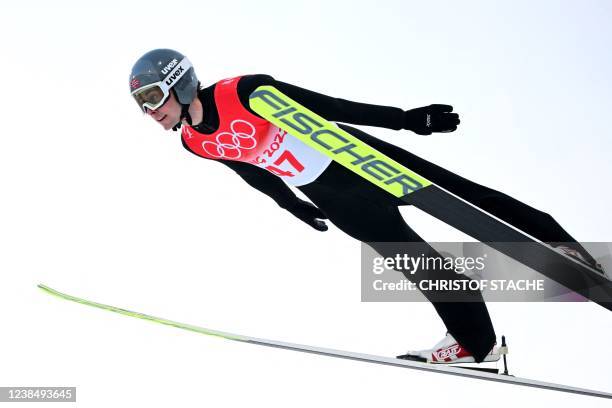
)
(236, 136)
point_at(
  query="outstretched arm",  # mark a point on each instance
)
(423, 121)
(276, 189)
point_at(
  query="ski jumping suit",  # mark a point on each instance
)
(266, 158)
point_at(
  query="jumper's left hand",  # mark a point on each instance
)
(432, 118)
(309, 213)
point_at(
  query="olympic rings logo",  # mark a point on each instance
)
(230, 145)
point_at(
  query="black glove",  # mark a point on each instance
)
(308, 213)
(432, 118)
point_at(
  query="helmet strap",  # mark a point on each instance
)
(185, 113)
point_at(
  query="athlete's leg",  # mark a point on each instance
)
(378, 223)
(528, 219)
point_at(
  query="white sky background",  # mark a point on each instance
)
(100, 202)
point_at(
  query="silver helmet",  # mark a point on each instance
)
(157, 73)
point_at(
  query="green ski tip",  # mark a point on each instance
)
(142, 316)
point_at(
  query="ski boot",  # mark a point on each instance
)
(449, 351)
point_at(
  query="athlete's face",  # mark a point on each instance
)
(167, 115)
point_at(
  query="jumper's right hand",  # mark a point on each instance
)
(309, 213)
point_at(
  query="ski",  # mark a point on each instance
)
(369, 358)
(412, 188)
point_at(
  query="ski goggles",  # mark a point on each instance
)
(153, 96)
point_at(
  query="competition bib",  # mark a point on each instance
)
(248, 138)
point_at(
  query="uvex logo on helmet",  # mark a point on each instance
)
(168, 67)
(176, 75)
